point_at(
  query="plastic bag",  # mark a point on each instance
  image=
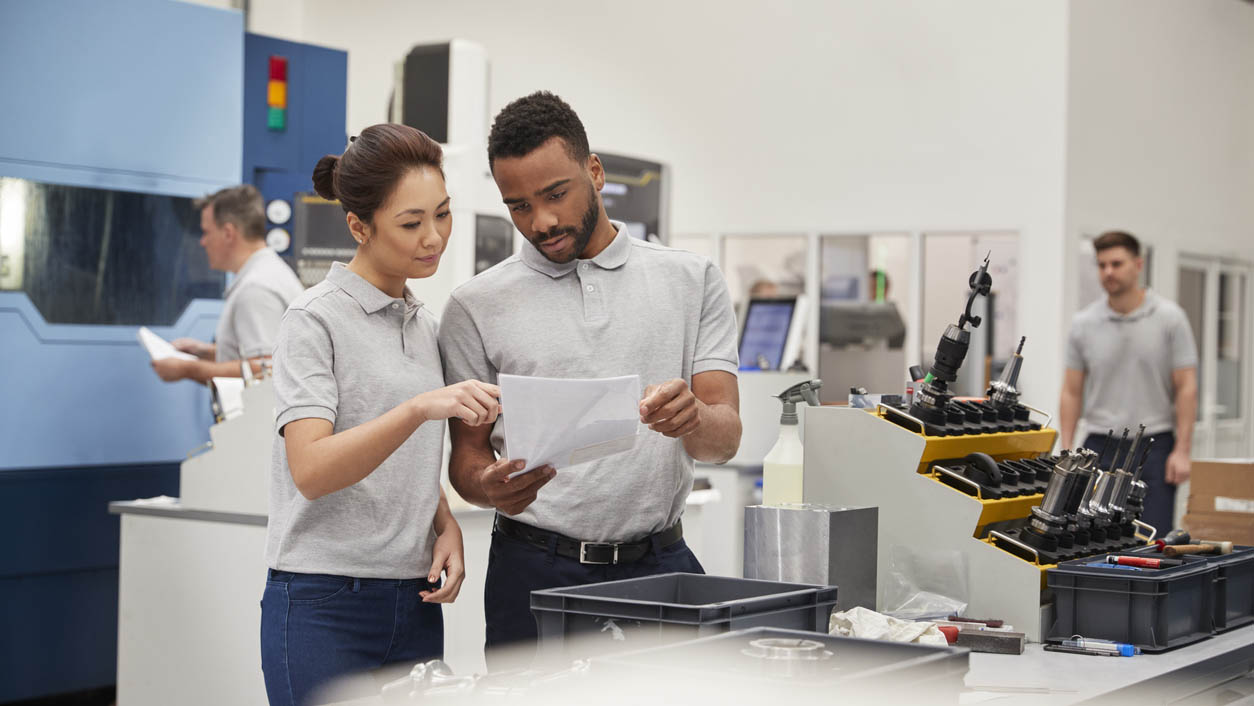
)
(925, 584)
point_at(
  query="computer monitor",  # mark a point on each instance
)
(770, 334)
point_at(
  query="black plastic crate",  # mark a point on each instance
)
(619, 615)
(786, 664)
(1154, 609)
(1234, 585)
(1234, 588)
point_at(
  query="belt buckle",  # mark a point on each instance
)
(583, 553)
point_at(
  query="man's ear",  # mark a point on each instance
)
(596, 171)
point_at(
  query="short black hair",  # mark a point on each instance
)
(1117, 239)
(532, 120)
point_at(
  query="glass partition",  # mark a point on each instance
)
(93, 256)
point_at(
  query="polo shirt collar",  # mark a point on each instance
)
(612, 257)
(368, 296)
(250, 264)
(1147, 307)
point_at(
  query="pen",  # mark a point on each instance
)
(1078, 651)
(1101, 646)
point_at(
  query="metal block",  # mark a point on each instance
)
(815, 544)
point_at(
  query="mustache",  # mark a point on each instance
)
(554, 235)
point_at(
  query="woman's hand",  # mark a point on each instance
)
(446, 556)
(471, 401)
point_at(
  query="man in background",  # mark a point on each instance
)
(1131, 360)
(234, 224)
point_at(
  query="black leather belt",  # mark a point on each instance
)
(588, 552)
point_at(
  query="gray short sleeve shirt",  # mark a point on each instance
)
(1128, 361)
(636, 308)
(348, 353)
(255, 301)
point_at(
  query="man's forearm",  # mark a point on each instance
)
(465, 464)
(718, 437)
(1186, 416)
(1068, 417)
(203, 371)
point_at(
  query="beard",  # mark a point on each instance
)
(582, 233)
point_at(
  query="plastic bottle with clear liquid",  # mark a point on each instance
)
(782, 470)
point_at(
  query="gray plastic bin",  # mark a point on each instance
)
(1234, 588)
(671, 607)
(786, 665)
(1154, 609)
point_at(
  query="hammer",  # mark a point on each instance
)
(1178, 536)
(1211, 548)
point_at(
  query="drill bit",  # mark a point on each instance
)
(1130, 459)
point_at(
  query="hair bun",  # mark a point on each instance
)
(324, 177)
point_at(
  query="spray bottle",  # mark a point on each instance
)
(781, 469)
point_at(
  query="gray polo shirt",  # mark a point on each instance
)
(348, 353)
(636, 308)
(255, 301)
(1127, 361)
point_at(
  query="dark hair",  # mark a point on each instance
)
(364, 176)
(532, 120)
(241, 205)
(1117, 239)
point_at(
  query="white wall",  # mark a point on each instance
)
(1161, 140)
(1161, 126)
(829, 115)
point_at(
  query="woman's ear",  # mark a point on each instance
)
(359, 230)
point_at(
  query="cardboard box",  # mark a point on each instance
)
(1235, 527)
(1221, 501)
(1223, 486)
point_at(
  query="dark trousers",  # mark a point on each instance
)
(316, 628)
(516, 568)
(1160, 498)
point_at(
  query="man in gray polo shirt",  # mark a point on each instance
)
(233, 221)
(1131, 360)
(585, 300)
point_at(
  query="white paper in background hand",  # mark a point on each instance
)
(230, 395)
(565, 422)
(158, 348)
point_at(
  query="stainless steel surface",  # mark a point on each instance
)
(815, 544)
(177, 511)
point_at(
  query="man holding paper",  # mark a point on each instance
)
(233, 222)
(585, 301)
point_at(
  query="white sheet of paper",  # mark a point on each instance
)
(565, 422)
(230, 395)
(158, 347)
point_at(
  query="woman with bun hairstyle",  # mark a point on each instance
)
(359, 528)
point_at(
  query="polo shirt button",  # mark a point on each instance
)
(395, 305)
(591, 288)
(584, 266)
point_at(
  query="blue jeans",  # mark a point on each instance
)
(1160, 497)
(316, 627)
(516, 568)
